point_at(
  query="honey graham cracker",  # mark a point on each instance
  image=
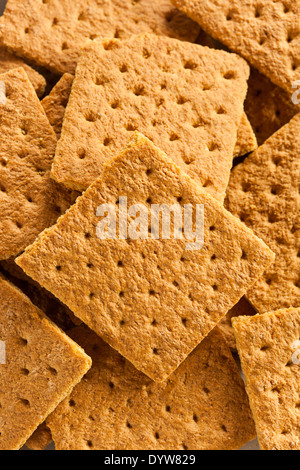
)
(186, 98)
(9, 61)
(265, 33)
(29, 199)
(56, 102)
(203, 405)
(263, 192)
(268, 346)
(42, 366)
(52, 34)
(151, 299)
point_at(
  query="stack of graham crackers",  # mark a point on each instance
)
(118, 319)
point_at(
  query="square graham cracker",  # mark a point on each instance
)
(151, 299)
(9, 61)
(264, 193)
(267, 106)
(265, 33)
(186, 98)
(56, 102)
(242, 308)
(30, 200)
(41, 368)
(268, 346)
(203, 405)
(52, 33)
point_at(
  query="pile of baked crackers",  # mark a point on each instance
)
(126, 344)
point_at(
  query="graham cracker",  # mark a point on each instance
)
(55, 106)
(203, 405)
(265, 33)
(268, 346)
(186, 98)
(29, 199)
(53, 33)
(40, 439)
(9, 61)
(151, 299)
(42, 366)
(267, 106)
(264, 193)
(242, 308)
(246, 140)
(56, 102)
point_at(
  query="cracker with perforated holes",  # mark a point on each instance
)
(55, 106)
(151, 299)
(266, 34)
(264, 193)
(9, 61)
(40, 439)
(55, 103)
(186, 98)
(30, 200)
(241, 308)
(41, 368)
(268, 346)
(267, 106)
(203, 405)
(53, 33)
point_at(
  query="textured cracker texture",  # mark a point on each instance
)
(241, 308)
(56, 102)
(264, 193)
(265, 33)
(44, 300)
(269, 358)
(30, 200)
(52, 33)
(267, 106)
(9, 61)
(151, 299)
(246, 140)
(203, 405)
(186, 98)
(42, 366)
(40, 439)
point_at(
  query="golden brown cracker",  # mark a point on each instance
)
(241, 308)
(53, 33)
(152, 299)
(266, 34)
(56, 102)
(203, 405)
(186, 98)
(29, 199)
(264, 193)
(40, 439)
(41, 366)
(267, 106)
(9, 61)
(268, 346)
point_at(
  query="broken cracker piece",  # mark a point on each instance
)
(186, 98)
(30, 200)
(265, 33)
(268, 347)
(203, 405)
(151, 299)
(264, 193)
(52, 33)
(41, 367)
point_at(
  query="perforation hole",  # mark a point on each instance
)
(129, 426)
(189, 65)
(25, 372)
(72, 403)
(3, 162)
(64, 46)
(230, 75)
(89, 444)
(195, 418)
(223, 427)
(23, 341)
(146, 53)
(206, 390)
(52, 371)
(91, 117)
(155, 351)
(168, 409)
(123, 68)
(81, 154)
(25, 402)
(139, 90)
(156, 435)
(265, 348)
(131, 127)
(58, 268)
(107, 142)
(115, 105)
(173, 137)
(181, 100)
(184, 321)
